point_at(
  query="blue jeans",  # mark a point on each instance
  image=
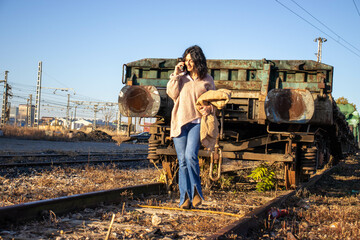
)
(187, 146)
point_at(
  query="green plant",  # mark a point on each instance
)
(264, 175)
(225, 181)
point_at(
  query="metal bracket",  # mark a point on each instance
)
(123, 74)
(215, 156)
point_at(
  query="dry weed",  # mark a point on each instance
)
(329, 210)
(68, 181)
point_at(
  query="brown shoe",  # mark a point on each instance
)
(197, 200)
(186, 204)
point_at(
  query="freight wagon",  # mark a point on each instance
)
(280, 111)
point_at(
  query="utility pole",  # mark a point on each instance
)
(75, 116)
(319, 52)
(29, 111)
(118, 117)
(96, 105)
(5, 110)
(38, 96)
(68, 124)
(95, 111)
(67, 112)
(71, 118)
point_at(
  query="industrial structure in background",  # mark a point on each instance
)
(27, 114)
(5, 108)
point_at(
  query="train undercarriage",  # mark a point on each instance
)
(301, 153)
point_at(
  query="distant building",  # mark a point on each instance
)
(47, 120)
(80, 123)
(14, 112)
(14, 115)
(25, 113)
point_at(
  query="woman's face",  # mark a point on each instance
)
(189, 63)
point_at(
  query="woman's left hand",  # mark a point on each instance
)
(205, 110)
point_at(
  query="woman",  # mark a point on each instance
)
(189, 80)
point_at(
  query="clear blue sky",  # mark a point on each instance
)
(84, 43)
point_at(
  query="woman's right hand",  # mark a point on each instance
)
(179, 68)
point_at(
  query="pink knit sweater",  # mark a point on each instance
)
(185, 92)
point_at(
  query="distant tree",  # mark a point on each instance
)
(108, 114)
(344, 100)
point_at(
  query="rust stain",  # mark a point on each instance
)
(137, 100)
(289, 104)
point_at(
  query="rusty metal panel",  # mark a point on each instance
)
(233, 74)
(240, 101)
(252, 143)
(312, 87)
(264, 76)
(244, 94)
(235, 64)
(250, 86)
(300, 77)
(248, 79)
(224, 74)
(323, 113)
(274, 157)
(289, 106)
(152, 82)
(241, 75)
(296, 65)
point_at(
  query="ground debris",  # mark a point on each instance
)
(328, 210)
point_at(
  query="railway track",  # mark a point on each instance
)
(32, 160)
(145, 212)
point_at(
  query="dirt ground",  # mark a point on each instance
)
(131, 221)
(329, 210)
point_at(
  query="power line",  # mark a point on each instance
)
(325, 25)
(356, 7)
(317, 28)
(55, 79)
(26, 85)
(32, 89)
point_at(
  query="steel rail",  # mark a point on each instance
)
(53, 163)
(36, 210)
(252, 219)
(72, 154)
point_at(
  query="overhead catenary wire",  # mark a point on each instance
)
(53, 78)
(317, 28)
(54, 103)
(356, 8)
(325, 25)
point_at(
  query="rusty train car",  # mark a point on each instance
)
(280, 111)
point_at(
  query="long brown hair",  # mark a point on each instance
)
(199, 59)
